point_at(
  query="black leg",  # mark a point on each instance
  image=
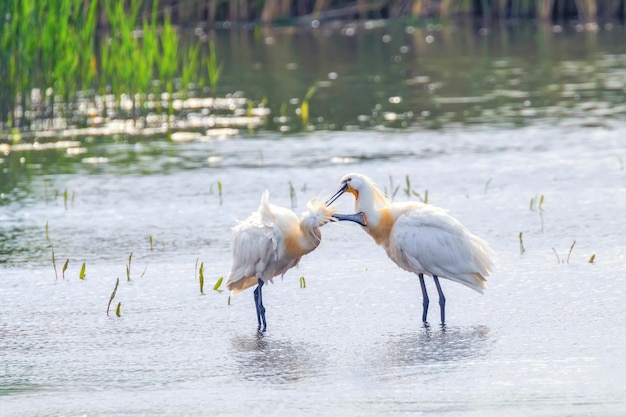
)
(424, 298)
(260, 310)
(442, 300)
(256, 305)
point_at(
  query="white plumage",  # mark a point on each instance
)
(270, 242)
(421, 238)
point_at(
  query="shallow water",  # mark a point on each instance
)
(539, 113)
(545, 339)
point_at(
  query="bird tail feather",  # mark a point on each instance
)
(242, 284)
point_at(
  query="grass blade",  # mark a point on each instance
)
(570, 251)
(82, 273)
(130, 258)
(54, 264)
(202, 278)
(217, 285)
(113, 295)
(67, 261)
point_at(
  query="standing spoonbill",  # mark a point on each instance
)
(419, 238)
(270, 242)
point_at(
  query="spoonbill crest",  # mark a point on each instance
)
(419, 238)
(270, 242)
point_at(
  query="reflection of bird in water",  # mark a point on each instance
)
(270, 242)
(260, 357)
(420, 238)
(449, 345)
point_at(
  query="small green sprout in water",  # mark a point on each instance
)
(592, 259)
(47, 237)
(407, 190)
(144, 272)
(217, 285)
(521, 244)
(538, 201)
(130, 258)
(392, 192)
(82, 273)
(214, 69)
(302, 282)
(118, 310)
(570, 251)
(304, 107)
(150, 240)
(201, 276)
(67, 261)
(229, 300)
(113, 294)
(292, 195)
(65, 198)
(219, 191)
(54, 264)
(558, 260)
(424, 199)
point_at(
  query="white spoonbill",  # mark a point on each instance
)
(270, 242)
(419, 238)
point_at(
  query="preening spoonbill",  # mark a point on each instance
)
(419, 238)
(270, 242)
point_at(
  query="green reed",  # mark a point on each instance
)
(44, 45)
(130, 258)
(213, 68)
(67, 261)
(117, 283)
(56, 47)
(54, 264)
(83, 271)
(201, 278)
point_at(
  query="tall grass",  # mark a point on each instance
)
(56, 48)
(45, 45)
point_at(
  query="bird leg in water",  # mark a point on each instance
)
(425, 299)
(356, 217)
(442, 300)
(260, 310)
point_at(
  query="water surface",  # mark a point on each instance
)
(545, 338)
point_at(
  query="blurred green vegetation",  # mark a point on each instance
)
(303, 11)
(54, 52)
